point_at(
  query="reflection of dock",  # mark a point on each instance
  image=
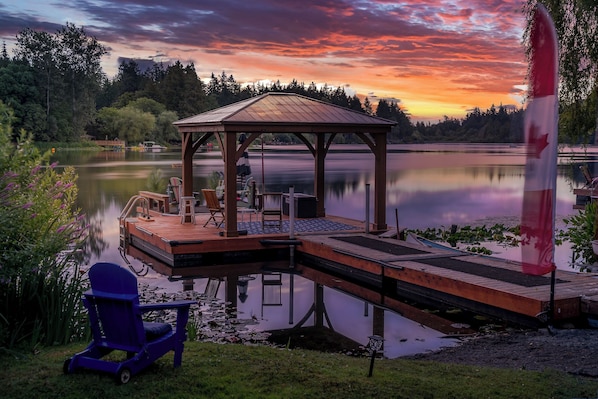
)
(390, 269)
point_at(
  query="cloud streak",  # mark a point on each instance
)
(438, 57)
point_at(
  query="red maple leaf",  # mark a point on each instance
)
(537, 142)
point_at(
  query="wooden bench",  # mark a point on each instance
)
(157, 202)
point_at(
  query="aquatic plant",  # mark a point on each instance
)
(475, 236)
(156, 182)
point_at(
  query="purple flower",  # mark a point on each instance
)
(58, 183)
(59, 195)
(9, 175)
(28, 205)
(53, 165)
(36, 169)
(61, 228)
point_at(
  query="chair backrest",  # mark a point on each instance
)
(176, 184)
(113, 306)
(587, 175)
(244, 192)
(211, 199)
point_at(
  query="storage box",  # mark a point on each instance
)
(305, 205)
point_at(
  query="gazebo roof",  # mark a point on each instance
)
(284, 113)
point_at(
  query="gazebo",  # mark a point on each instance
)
(283, 113)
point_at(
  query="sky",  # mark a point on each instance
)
(435, 58)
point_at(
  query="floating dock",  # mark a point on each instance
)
(394, 269)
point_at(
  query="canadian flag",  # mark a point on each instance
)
(541, 137)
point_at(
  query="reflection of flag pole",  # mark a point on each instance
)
(541, 119)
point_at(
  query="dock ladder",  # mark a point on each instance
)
(134, 202)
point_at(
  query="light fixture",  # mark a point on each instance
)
(374, 345)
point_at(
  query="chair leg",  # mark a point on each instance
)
(210, 219)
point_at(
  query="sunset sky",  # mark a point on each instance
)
(435, 58)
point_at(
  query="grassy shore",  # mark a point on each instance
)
(237, 371)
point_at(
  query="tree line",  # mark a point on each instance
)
(57, 90)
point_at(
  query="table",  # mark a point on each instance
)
(305, 205)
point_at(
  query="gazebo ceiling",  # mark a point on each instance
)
(284, 113)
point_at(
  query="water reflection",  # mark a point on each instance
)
(282, 298)
(427, 186)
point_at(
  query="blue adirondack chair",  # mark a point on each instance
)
(115, 316)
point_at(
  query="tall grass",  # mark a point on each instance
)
(42, 306)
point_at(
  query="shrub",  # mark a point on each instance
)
(581, 230)
(40, 283)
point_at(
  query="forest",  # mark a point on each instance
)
(57, 91)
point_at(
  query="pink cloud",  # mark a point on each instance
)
(452, 55)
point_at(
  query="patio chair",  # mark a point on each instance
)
(590, 180)
(244, 193)
(175, 184)
(214, 206)
(115, 317)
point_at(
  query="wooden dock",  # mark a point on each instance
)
(390, 268)
(111, 144)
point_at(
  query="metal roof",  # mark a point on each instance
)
(284, 112)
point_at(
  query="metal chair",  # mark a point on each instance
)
(271, 210)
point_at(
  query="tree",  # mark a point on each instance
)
(68, 72)
(79, 58)
(128, 123)
(38, 49)
(576, 24)
(18, 90)
(183, 92)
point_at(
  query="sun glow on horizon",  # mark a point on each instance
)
(435, 58)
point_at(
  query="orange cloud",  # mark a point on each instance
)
(437, 57)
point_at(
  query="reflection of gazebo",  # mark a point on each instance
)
(283, 113)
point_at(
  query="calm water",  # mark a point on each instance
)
(427, 186)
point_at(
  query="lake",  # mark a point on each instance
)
(427, 186)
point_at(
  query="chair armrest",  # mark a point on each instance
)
(182, 313)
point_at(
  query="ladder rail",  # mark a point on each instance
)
(126, 212)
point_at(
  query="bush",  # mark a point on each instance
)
(40, 283)
(581, 230)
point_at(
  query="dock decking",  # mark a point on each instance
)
(395, 268)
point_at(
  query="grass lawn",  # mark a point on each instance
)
(237, 371)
